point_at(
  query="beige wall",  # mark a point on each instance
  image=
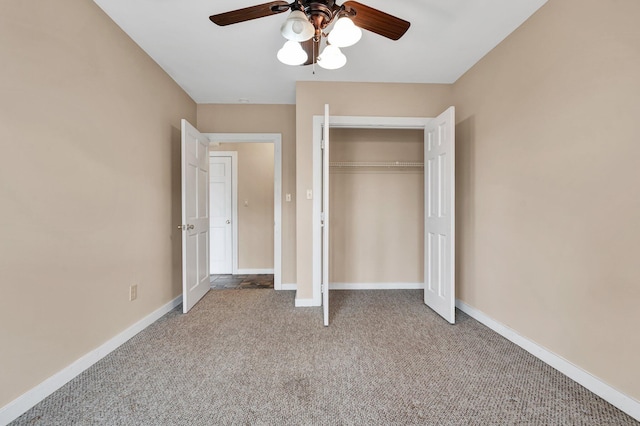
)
(356, 99)
(548, 198)
(377, 213)
(225, 118)
(89, 183)
(255, 203)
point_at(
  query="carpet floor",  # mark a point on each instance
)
(248, 357)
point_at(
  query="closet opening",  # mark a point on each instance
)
(377, 209)
(382, 218)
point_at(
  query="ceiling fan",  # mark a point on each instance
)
(304, 28)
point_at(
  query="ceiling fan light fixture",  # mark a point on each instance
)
(344, 33)
(297, 27)
(292, 53)
(332, 58)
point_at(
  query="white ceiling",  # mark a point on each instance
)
(238, 63)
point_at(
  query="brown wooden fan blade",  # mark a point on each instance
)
(249, 13)
(376, 21)
(311, 47)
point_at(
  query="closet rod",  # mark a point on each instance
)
(375, 164)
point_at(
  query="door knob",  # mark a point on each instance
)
(181, 227)
(190, 226)
(228, 221)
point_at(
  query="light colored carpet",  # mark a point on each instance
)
(248, 357)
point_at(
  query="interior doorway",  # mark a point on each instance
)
(225, 143)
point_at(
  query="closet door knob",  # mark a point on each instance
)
(228, 221)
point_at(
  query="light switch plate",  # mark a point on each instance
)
(309, 194)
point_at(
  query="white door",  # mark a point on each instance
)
(220, 178)
(439, 212)
(325, 216)
(195, 216)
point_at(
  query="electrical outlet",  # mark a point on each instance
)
(133, 292)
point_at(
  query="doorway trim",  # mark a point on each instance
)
(276, 139)
(349, 122)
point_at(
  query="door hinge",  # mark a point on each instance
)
(322, 143)
(322, 219)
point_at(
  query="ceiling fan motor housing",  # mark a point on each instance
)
(321, 13)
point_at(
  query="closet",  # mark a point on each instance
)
(381, 217)
(376, 237)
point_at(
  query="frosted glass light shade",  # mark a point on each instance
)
(332, 58)
(297, 27)
(344, 33)
(292, 53)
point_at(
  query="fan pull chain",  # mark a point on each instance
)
(313, 58)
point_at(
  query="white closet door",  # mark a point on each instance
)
(325, 216)
(439, 210)
(195, 216)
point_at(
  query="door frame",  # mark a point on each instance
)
(276, 139)
(345, 122)
(234, 203)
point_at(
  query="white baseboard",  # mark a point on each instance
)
(376, 286)
(290, 286)
(624, 402)
(248, 271)
(305, 303)
(24, 402)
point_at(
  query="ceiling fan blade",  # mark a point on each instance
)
(312, 49)
(377, 21)
(249, 13)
